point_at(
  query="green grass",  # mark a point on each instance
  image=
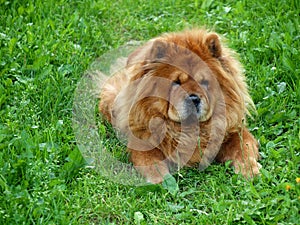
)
(45, 48)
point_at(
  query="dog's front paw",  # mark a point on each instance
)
(248, 168)
(154, 179)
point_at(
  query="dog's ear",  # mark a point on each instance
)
(214, 45)
(151, 51)
(158, 50)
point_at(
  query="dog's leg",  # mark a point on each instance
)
(242, 148)
(151, 164)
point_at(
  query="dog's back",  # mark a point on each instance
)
(109, 91)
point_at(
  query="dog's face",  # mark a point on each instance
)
(180, 84)
(189, 97)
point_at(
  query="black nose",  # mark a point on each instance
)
(195, 99)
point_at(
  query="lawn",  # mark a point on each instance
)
(46, 47)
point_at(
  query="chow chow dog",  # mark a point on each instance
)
(182, 100)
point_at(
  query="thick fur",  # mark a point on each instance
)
(182, 99)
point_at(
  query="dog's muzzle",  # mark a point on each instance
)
(193, 102)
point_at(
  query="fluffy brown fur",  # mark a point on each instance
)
(182, 99)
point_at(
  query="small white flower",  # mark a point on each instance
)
(77, 47)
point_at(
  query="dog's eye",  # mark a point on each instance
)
(204, 83)
(176, 82)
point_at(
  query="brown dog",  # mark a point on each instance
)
(182, 99)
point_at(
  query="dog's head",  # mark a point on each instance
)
(175, 82)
